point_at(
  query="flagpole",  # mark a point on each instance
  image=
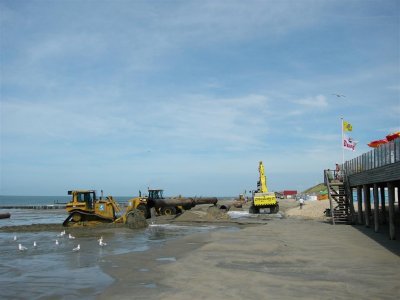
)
(342, 142)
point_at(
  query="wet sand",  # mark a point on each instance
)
(280, 259)
(255, 257)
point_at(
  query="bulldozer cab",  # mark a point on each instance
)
(87, 197)
(156, 194)
(85, 208)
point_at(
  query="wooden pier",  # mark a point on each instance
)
(373, 175)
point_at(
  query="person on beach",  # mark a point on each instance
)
(301, 203)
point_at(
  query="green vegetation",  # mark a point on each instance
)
(316, 189)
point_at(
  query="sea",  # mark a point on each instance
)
(55, 271)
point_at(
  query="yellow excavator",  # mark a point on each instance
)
(261, 197)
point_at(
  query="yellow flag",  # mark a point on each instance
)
(347, 126)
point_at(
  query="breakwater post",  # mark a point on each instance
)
(49, 206)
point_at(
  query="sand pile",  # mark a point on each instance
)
(135, 219)
(212, 214)
(311, 209)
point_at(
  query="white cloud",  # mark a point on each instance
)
(317, 102)
(235, 122)
(394, 87)
(51, 120)
(189, 121)
(81, 45)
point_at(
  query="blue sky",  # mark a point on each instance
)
(190, 95)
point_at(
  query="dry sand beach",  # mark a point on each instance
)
(299, 256)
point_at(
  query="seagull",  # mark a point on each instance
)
(57, 242)
(21, 248)
(70, 236)
(101, 243)
(15, 237)
(100, 239)
(339, 95)
(34, 244)
(62, 233)
(77, 248)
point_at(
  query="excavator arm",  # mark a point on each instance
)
(262, 188)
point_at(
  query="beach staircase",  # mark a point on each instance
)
(338, 195)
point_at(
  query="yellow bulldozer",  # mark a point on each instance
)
(86, 209)
(261, 197)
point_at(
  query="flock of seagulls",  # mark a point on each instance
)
(61, 234)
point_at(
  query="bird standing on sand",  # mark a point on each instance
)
(101, 243)
(77, 248)
(22, 248)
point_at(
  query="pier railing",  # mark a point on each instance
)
(383, 155)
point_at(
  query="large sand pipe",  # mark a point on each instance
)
(168, 202)
(205, 200)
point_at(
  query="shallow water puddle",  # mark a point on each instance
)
(167, 259)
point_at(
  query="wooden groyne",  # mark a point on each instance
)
(48, 206)
(5, 215)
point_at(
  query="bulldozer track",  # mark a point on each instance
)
(99, 218)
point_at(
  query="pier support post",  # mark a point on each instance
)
(376, 208)
(359, 205)
(392, 230)
(383, 204)
(367, 205)
(398, 197)
(351, 206)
